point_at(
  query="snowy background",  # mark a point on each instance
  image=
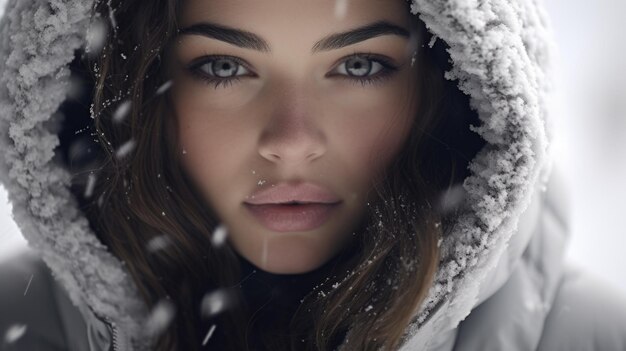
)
(590, 108)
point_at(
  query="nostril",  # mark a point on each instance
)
(312, 156)
(291, 146)
(274, 156)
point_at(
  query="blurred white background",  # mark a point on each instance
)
(591, 122)
(590, 108)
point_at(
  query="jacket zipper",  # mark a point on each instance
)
(113, 334)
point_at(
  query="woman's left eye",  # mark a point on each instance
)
(357, 68)
(366, 69)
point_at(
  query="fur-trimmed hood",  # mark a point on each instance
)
(500, 52)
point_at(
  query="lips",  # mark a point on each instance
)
(286, 207)
(284, 193)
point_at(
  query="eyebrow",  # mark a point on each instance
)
(249, 40)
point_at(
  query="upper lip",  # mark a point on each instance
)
(286, 193)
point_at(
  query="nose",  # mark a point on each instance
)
(292, 134)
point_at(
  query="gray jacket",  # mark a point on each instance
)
(501, 284)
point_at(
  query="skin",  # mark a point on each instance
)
(289, 119)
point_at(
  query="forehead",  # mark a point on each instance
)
(301, 16)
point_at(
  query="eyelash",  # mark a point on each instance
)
(385, 72)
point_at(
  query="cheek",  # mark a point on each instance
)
(214, 145)
(371, 131)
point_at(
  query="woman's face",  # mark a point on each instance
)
(281, 107)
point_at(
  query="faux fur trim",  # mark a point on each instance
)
(500, 51)
(37, 44)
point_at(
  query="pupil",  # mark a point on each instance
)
(223, 65)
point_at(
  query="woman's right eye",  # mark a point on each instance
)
(218, 69)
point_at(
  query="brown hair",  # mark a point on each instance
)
(377, 285)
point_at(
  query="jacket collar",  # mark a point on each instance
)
(514, 316)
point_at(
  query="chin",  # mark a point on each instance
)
(290, 254)
(292, 267)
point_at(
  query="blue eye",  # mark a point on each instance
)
(218, 70)
(358, 69)
(365, 69)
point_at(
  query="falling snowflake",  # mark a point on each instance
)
(101, 200)
(341, 8)
(214, 302)
(75, 88)
(432, 41)
(208, 335)
(125, 149)
(28, 285)
(452, 198)
(91, 182)
(121, 111)
(219, 235)
(158, 243)
(14, 332)
(163, 88)
(96, 37)
(160, 317)
(264, 252)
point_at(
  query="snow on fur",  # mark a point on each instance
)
(38, 43)
(500, 51)
(501, 57)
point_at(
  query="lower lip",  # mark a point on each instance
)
(292, 218)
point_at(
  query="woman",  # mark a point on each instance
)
(286, 175)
